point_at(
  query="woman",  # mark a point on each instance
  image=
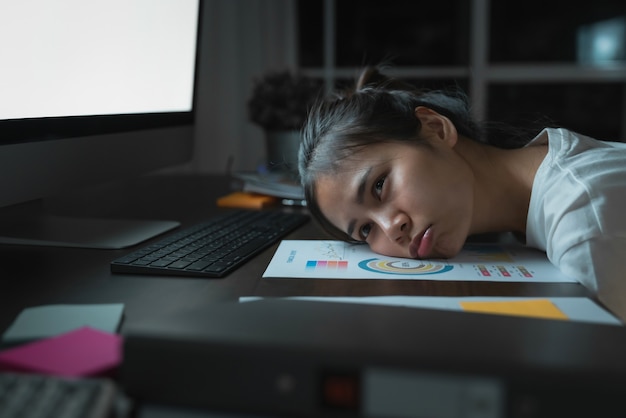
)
(412, 175)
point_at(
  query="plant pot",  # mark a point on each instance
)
(282, 150)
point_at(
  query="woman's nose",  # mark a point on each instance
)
(395, 224)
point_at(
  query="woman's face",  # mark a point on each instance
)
(404, 200)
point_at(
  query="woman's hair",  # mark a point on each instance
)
(377, 109)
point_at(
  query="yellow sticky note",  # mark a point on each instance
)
(246, 200)
(537, 308)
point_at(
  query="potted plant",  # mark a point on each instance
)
(279, 103)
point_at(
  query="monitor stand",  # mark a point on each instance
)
(61, 231)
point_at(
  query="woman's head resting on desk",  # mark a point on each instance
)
(408, 171)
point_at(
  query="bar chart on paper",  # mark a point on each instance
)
(328, 259)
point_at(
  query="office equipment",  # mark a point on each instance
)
(214, 247)
(91, 93)
(42, 396)
(315, 359)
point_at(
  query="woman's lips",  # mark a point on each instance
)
(422, 244)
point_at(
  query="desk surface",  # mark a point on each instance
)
(45, 275)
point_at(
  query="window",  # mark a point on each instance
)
(517, 61)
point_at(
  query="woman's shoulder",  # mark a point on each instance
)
(567, 147)
(566, 139)
(582, 176)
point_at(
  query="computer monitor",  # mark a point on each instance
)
(91, 92)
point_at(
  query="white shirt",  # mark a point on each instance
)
(577, 212)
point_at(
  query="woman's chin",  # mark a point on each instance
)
(447, 249)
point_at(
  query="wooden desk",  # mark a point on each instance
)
(45, 275)
(33, 276)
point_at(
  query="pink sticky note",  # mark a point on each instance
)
(79, 353)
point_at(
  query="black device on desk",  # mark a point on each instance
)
(28, 395)
(212, 248)
(314, 359)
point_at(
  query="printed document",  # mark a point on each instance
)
(322, 259)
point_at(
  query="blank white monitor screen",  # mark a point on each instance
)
(77, 57)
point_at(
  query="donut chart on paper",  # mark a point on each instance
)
(404, 267)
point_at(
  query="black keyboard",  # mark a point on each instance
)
(213, 248)
(43, 396)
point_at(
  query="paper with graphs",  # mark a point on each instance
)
(327, 259)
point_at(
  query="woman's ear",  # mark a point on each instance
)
(434, 123)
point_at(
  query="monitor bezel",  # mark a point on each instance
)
(15, 131)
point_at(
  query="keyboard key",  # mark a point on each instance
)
(180, 264)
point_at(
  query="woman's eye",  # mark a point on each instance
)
(378, 186)
(365, 231)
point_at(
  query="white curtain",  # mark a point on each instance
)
(241, 40)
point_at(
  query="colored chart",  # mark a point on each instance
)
(403, 267)
(494, 253)
(326, 264)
